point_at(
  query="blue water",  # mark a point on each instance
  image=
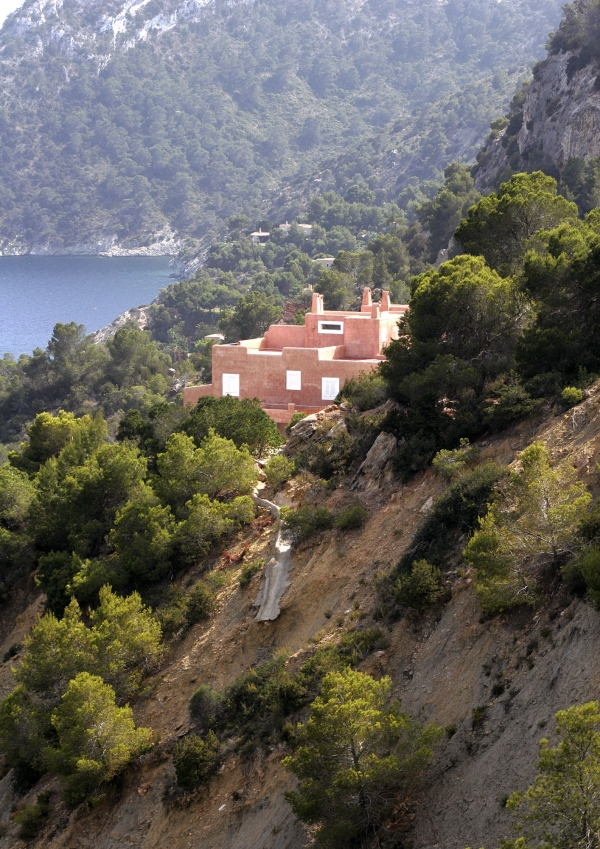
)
(37, 292)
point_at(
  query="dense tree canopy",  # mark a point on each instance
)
(457, 339)
(197, 123)
(499, 226)
(96, 738)
(356, 757)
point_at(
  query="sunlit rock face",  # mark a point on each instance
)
(560, 121)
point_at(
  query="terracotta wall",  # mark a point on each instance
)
(280, 336)
(263, 375)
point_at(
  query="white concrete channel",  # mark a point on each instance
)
(276, 577)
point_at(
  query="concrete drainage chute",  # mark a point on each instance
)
(276, 577)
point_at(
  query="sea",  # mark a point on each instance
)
(37, 292)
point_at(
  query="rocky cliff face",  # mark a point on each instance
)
(560, 120)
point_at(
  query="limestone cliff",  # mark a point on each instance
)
(558, 121)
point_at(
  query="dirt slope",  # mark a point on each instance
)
(441, 669)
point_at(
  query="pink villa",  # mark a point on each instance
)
(302, 368)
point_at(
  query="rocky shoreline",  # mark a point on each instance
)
(137, 315)
(165, 243)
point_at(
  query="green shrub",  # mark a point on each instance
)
(243, 421)
(200, 603)
(478, 715)
(207, 521)
(249, 570)
(349, 791)
(278, 471)
(531, 525)
(307, 520)
(205, 706)
(330, 452)
(172, 613)
(355, 646)
(573, 577)
(571, 396)
(352, 519)
(366, 391)
(456, 512)
(255, 708)
(451, 464)
(32, 817)
(13, 651)
(421, 588)
(589, 565)
(195, 760)
(181, 609)
(513, 403)
(297, 417)
(589, 527)
(257, 703)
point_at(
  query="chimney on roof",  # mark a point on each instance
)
(375, 311)
(317, 304)
(385, 301)
(367, 300)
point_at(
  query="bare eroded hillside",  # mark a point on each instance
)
(522, 668)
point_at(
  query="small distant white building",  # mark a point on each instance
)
(215, 337)
(325, 261)
(259, 237)
(306, 228)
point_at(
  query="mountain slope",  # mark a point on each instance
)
(443, 665)
(121, 121)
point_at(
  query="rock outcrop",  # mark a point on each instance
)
(138, 315)
(560, 121)
(376, 466)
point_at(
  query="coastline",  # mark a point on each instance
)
(165, 243)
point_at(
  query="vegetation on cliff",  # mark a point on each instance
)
(112, 133)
